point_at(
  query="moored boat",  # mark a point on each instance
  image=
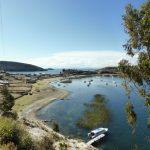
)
(96, 132)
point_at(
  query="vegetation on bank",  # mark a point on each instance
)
(12, 132)
(13, 135)
(7, 102)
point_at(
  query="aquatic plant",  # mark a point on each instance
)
(136, 147)
(95, 114)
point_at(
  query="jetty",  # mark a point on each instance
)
(95, 139)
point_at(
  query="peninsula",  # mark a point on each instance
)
(17, 66)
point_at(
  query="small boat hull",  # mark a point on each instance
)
(96, 132)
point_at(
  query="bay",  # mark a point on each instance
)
(122, 135)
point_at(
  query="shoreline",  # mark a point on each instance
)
(28, 113)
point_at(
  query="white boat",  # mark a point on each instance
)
(99, 137)
(96, 132)
(66, 81)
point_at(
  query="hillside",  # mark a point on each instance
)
(108, 70)
(17, 66)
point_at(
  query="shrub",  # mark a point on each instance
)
(55, 127)
(63, 146)
(7, 101)
(10, 131)
(11, 114)
(9, 146)
(45, 144)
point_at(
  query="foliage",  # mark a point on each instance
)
(9, 146)
(7, 101)
(55, 126)
(137, 26)
(11, 131)
(95, 114)
(131, 115)
(46, 143)
(63, 146)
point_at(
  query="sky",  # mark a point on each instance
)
(63, 33)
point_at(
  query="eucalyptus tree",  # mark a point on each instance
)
(136, 22)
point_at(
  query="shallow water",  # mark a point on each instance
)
(122, 136)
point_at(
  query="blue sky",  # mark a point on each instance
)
(63, 33)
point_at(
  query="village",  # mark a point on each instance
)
(21, 84)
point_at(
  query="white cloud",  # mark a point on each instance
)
(77, 59)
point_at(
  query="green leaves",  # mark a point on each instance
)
(7, 100)
(131, 24)
(11, 131)
(131, 115)
(137, 26)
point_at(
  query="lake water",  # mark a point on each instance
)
(54, 71)
(122, 135)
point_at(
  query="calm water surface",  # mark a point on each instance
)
(54, 71)
(122, 136)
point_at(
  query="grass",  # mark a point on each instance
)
(39, 90)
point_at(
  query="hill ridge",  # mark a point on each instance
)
(18, 66)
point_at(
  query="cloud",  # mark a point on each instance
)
(77, 59)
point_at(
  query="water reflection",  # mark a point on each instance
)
(96, 113)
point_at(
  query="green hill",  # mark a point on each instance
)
(17, 66)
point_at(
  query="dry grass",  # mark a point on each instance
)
(39, 91)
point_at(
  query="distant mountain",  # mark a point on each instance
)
(17, 66)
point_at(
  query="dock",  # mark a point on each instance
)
(95, 139)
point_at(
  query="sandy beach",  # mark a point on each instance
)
(41, 94)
